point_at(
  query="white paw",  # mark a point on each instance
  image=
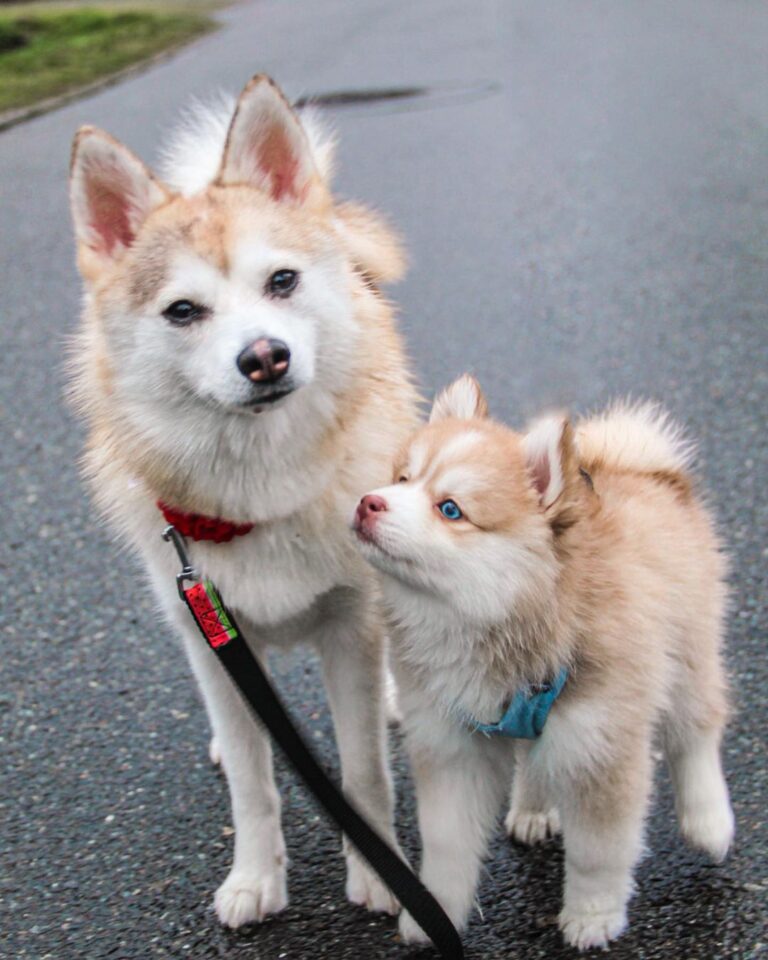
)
(532, 827)
(214, 752)
(410, 931)
(366, 890)
(591, 928)
(709, 828)
(249, 897)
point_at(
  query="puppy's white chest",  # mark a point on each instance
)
(438, 659)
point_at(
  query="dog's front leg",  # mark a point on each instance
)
(460, 788)
(351, 648)
(256, 885)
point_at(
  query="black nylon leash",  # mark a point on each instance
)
(219, 628)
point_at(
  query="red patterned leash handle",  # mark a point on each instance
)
(208, 610)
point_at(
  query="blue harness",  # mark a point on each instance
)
(527, 713)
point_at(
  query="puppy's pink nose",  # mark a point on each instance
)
(370, 505)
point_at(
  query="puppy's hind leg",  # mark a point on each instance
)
(701, 795)
(693, 728)
(532, 816)
(692, 734)
(351, 648)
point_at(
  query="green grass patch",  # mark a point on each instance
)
(46, 54)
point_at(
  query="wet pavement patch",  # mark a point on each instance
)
(399, 99)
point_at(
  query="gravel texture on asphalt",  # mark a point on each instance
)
(585, 199)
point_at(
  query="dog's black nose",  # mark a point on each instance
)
(264, 361)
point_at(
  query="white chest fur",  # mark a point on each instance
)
(269, 576)
(442, 658)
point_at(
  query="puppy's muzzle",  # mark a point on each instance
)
(264, 361)
(368, 512)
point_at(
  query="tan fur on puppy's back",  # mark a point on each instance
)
(636, 438)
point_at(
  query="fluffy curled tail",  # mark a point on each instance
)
(637, 438)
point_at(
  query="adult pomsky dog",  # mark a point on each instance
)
(236, 361)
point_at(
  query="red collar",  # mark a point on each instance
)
(199, 527)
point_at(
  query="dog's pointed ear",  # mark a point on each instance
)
(463, 399)
(111, 194)
(551, 458)
(267, 147)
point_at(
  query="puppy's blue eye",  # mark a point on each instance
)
(450, 510)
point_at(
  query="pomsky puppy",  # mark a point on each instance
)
(237, 366)
(513, 563)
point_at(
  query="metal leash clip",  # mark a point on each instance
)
(172, 535)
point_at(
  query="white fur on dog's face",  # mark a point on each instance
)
(199, 361)
(267, 211)
(502, 544)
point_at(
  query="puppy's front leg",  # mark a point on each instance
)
(459, 789)
(256, 884)
(603, 809)
(351, 647)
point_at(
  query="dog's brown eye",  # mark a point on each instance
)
(402, 479)
(282, 283)
(182, 312)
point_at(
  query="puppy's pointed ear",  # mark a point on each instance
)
(267, 147)
(551, 459)
(111, 194)
(463, 399)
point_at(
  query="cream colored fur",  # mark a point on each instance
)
(171, 417)
(617, 575)
(191, 158)
(640, 437)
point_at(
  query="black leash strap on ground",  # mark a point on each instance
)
(220, 630)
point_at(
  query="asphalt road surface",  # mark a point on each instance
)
(583, 186)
